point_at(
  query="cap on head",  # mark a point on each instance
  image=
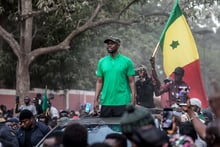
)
(25, 114)
(135, 117)
(13, 119)
(196, 102)
(114, 39)
(26, 98)
(179, 70)
(142, 67)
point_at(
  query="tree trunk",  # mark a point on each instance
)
(23, 76)
(22, 79)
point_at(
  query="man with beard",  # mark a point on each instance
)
(115, 81)
(27, 105)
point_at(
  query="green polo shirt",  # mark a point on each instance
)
(115, 71)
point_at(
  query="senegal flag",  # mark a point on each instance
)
(179, 49)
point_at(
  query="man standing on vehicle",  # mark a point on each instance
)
(115, 81)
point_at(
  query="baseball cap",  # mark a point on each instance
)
(26, 98)
(114, 39)
(179, 70)
(196, 102)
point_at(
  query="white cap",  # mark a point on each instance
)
(196, 102)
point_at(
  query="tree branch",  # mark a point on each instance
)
(126, 7)
(65, 44)
(90, 25)
(96, 11)
(36, 13)
(10, 40)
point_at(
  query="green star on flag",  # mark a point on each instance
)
(174, 44)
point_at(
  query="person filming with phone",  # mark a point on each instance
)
(177, 89)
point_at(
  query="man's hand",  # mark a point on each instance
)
(152, 61)
(96, 106)
(187, 106)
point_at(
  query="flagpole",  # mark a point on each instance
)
(156, 49)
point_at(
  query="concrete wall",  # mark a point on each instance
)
(70, 99)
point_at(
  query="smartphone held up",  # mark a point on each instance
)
(183, 95)
(167, 118)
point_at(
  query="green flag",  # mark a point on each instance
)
(45, 101)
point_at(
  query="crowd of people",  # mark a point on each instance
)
(182, 121)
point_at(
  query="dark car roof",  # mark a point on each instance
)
(97, 127)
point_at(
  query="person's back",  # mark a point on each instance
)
(75, 135)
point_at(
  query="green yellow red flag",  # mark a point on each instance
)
(179, 49)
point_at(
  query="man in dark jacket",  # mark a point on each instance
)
(7, 136)
(146, 86)
(30, 132)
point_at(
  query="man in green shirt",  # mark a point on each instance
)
(115, 86)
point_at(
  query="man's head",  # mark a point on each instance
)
(75, 135)
(26, 119)
(142, 71)
(178, 73)
(27, 100)
(13, 123)
(152, 137)
(116, 140)
(187, 128)
(54, 139)
(208, 115)
(113, 44)
(134, 118)
(196, 104)
(51, 96)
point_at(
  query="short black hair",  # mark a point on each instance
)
(99, 144)
(58, 135)
(187, 128)
(120, 139)
(75, 134)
